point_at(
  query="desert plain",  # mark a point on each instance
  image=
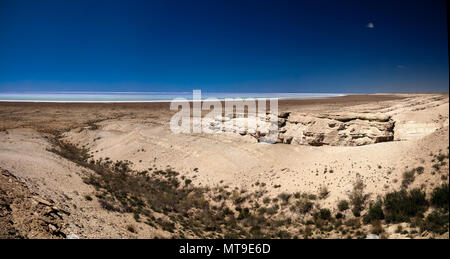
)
(97, 170)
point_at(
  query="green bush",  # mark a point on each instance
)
(272, 210)
(304, 205)
(243, 213)
(436, 222)
(375, 212)
(325, 214)
(356, 212)
(343, 205)
(358, 198)
(440, 197)
(285, 197)
(401, 206)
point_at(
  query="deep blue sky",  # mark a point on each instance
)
(227, 46)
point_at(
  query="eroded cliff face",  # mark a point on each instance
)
(345, 129)
(408, 119)
(339, 129)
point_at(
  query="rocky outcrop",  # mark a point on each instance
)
(254, 126)
(337, 129)
(24, 214)
(347, 129)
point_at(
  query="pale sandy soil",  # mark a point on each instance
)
(140, 133)
(24, 153)
(240, 162)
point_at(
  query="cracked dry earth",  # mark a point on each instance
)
(375, 139)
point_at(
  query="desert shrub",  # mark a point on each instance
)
(237, 197)
(323, 193)
(420, 169)
(440, 197)
(282, 234)
(436, 222)
(401, 206)
(325, 214)
(375, 212)
(71, 152)
(137, 217)
(408, 178)
(131, 229)
(357, 198)
(307, 232)
(284, 197)
(437, 167)
(272, 210)
(92, 124)
(441, 157)
(243, 213)
(343, 205)
(166, 225)
(311, 196)
(109, 204)
(354, 223)
(377, 228)
(304, 205)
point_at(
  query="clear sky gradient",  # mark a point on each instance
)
(224, 46)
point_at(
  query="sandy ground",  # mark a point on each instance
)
(140, 133)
